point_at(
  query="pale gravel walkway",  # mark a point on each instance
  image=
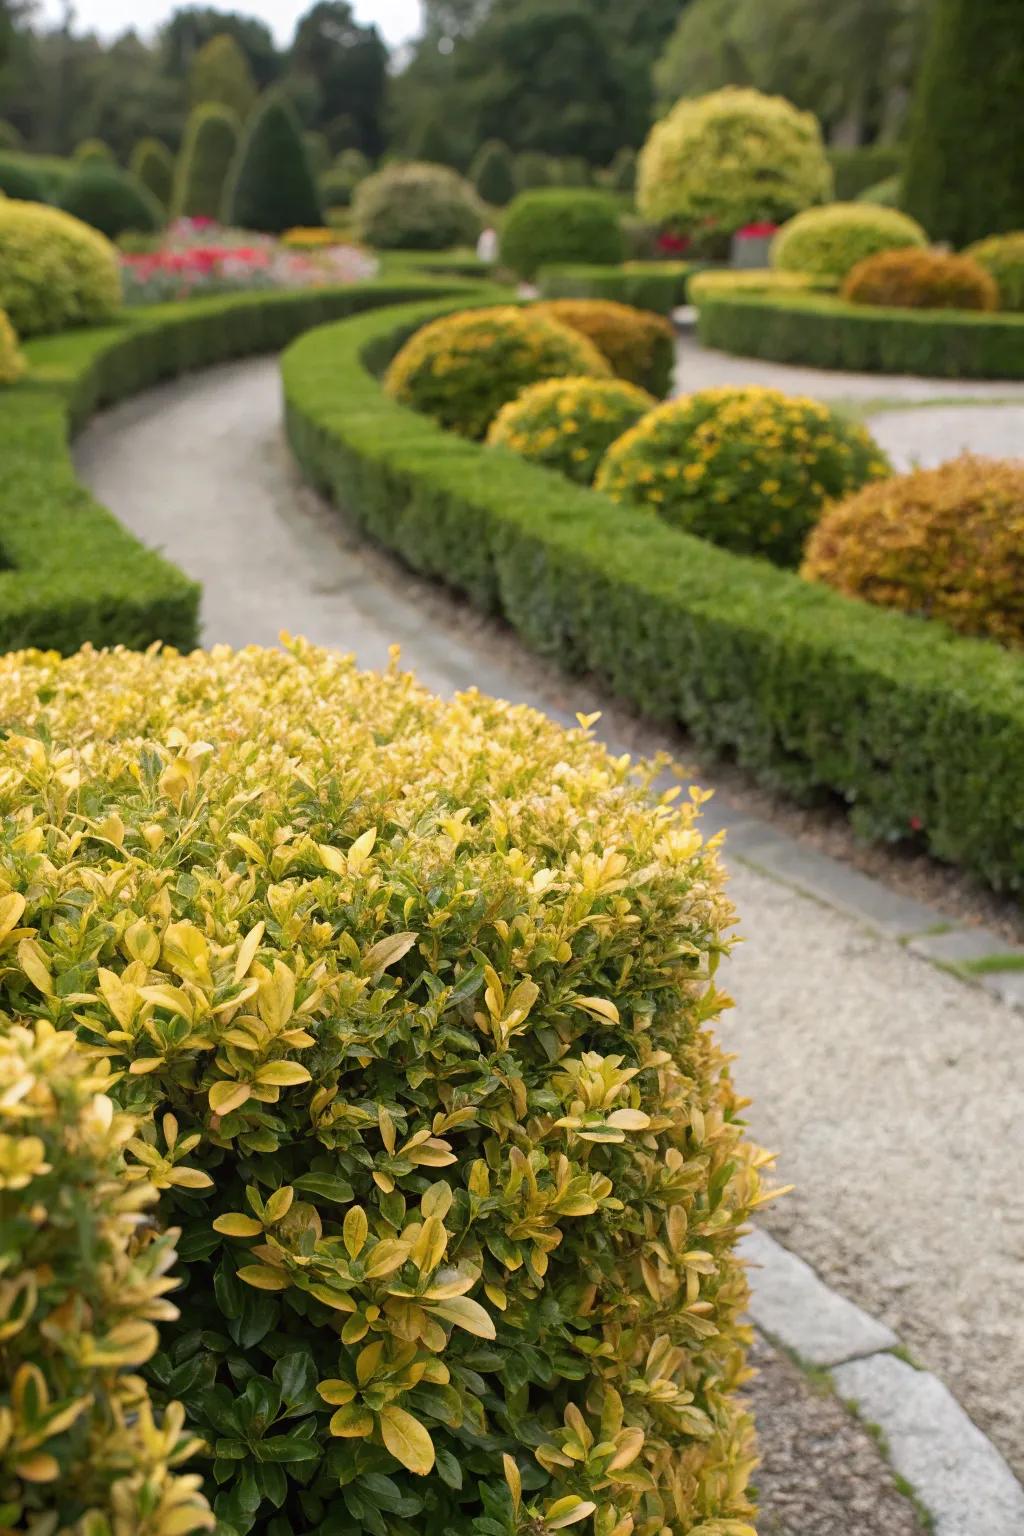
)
(932, 434)
(892, 1090)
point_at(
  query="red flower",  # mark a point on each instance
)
(916, 823)
(757, 231)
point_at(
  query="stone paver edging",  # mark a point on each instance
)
(954, 1469)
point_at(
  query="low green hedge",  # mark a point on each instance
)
(69, 573)
(920, 733)
(824, 332)
(657, 285)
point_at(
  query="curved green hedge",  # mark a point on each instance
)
(69, 572)
(657, 285)
(918, 732)
(824, 332)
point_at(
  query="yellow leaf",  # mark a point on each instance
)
(407, 1440)
(189, 1178)
(247, 950)
(336, 1392)
(599, 1008)
(354, 1230)
(360, 850)
(336, 1299)
(283, 1074)
(567, 1511)
(40, 1468)
(352, 1421)
(279, 1204)
(262, 1278)
(384, 1258)
(465, 1313)
(629, 1120)
(387, 952)
(227, 1096)
(11, 909)
(332, 859)
(32, 962)
(144, 1064)
(513, 1479)
(234, 1224)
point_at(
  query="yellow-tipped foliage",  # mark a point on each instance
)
(569, 424)
(639, 344)
(427, 988)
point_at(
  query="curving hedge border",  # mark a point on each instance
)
(657, 285)
(69, 572)
(920, 732)
(825, 332)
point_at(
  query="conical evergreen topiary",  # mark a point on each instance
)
(220, 76)
(273, 187)
(492, 174)
(153, 164)
(964, 177)
(210, 146)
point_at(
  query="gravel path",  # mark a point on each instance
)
(892, 1089)
(931, 435)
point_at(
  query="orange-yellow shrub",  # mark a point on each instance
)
(915, 279)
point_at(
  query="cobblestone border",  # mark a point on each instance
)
(956, 1473)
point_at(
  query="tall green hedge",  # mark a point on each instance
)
(153, 164)
(273, 187)
(965, 163)
(493, 173)
(207, 154)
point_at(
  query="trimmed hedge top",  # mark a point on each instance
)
(457, 1163)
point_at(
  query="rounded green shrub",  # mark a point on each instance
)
(55, 271)
(827, 242)
(111, 201)
(1002, 256)
(152, 164)
(731, 158)
(417, 206)
(462, 368)
(493, 174)
(93, 149)
(569, 424)
(204, 162)
(410, 1002)
(272, 187)
(560, 225)
(21, 181)
(12, 363)
(748, 468)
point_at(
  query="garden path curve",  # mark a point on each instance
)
(891, 1089)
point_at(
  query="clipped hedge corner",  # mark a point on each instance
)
(457, 1163)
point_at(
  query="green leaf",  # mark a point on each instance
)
(448, 1468)
(287, 1448)
(328, 1186)
(296, 1375)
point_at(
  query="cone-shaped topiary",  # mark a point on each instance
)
(93, 149)
(111, 200)
(272, 186)
(207, 154)
(220, 76)
(965, 160)
(152, 164)
(492, 173)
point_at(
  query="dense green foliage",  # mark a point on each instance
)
(19, 180)
(417, 207)
(827, 242)
(655, 285)
(461, 369)
(112, 201)
(945, 543)
(823, 332)
(220, 76)
(272, 186)
(555, 224)
(456, 1161)
(569, 424)
(748, 468)
(205, 161)
(55, 271)
(807, 690)
(965, 160)
(856, 170)
(152, 164)
(493, 173)
(1002, 256)
(913, 279)
(728, 159)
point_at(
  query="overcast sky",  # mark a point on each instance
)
(398, 20)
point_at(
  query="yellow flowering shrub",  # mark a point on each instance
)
(945, 543)
(828, 241)
(463, 368)
(428, 987)
(639, 345)
(314, 239)
(12, 363)
(83, 1272)
(55, 271)
(913, 279)
(1002, 256)
(748, 468)
(569, 424)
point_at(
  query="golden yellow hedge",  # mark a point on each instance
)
(429, 988)
(945, 543)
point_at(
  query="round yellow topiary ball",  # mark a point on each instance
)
(828, 241)
(462, 368)
(569, 424)
(945, 543)
(55, 272)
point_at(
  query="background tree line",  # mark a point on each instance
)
(567, 78)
